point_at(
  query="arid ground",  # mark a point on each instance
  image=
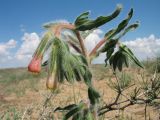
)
(24, 94)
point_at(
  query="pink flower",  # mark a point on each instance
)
(35, 65)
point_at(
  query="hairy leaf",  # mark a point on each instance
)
(74, 111)
(93, 95)
(89, 116)
(130, 55)
(44, 44)
(109, 54)
(71, 113)
(83, 23)
(120, 27)
(69, 107)
(129, 28)
(110, 44)
(82, 19)
(122, 56)
(118, 59)
(74, 46)
(68, 65)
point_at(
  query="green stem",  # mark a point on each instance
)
(74, 94)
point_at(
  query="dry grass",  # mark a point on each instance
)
(29, 103)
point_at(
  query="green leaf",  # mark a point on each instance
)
(87, 78)
(121, 57)
(45, 63)
(126, 61)
(68, 65)
(111, 60)
(84, 34)
(72, 37)
(69, 107)
(120, 27)
(130, 55)
(117, 55)
(89, 116)
(74, 46)
(125, 22)
(115, 34)
(82, 19)
(120, 63)
(83, 59)
(78, 116)
(109, 54)
(110, 33)
(118, 59)
(71, 113)
(129, 28)
(74, 111)
(109, 48)
(83, 23)
(93, 95)
(72, 41)
(110, 44)
(43, 45)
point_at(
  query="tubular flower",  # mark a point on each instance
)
(35, 64)
(52, 82)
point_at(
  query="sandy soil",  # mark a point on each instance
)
(33, 100)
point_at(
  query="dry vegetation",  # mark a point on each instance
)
(23, 95)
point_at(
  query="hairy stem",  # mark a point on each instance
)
(57, 32)
(81, 41)
(93, 52)
(58, 28)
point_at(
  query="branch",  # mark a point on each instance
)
(110, 107)
(115, 102)
(115, 108)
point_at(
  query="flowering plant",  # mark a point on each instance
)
(64, 64)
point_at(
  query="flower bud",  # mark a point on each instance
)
(52, 81)
(35, 65)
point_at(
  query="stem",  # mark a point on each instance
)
(57, 32)
(145, 109)
(114, 108)
(48, 98)
(57, 29)
(74, 94)
(84, 51)
(93, 52)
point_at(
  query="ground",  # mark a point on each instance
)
(26, 97)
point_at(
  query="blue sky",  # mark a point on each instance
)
(22, 17)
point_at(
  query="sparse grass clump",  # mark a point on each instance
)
(17, 80)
